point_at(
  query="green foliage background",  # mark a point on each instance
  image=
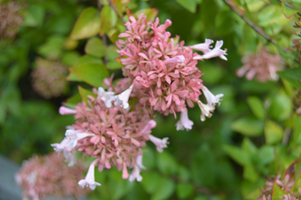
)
(253, 134)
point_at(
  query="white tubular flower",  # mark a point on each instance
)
(206, 110)
(184, 122)
(123, 98)
(204, 47)
(106, 97)
(211, 98)
(216, 52)
(160, 143)
(90, 179)
(135, 174)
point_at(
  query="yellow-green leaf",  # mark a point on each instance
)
(91, 73)
(87, 24)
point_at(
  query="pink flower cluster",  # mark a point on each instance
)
(107, 130)
(48, 175)
(261, 66)
(163, 71)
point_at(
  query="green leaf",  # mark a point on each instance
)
(266, 155)
(87, 25)
(166, 163)
(84, 93)
(184, 190)
(297, 130)
(292, 75)
(183, 173)
(91, 73)
(72, 101)
(150, 13)
(34, 16)
(150, 181)
(256, 107)
(287, 11)
(190, 5)
(254, 5)
(248, 147)
(272, 14)
(277, 192)
(250, 174)
(248, 126)
(248, 40)
(70, 58)
(86, 59)
(164, 189)
(95, 47)
(149, 158)
(281, 106)
(237, 155)
(53, 47)
(224, 23)
(108, 19)
(273, 132)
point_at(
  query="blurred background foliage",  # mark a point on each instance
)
(254, 134)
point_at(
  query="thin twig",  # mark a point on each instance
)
(104, 40)
(116, 11)
(257, 28)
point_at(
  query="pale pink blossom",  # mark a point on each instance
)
(211, 98)
(160, 143)
(216, 52)
(135, 174)
(107, 97)
(206, 110)
(204, 47)
(184, 122)
(90, 179)
(123, 98)
(66, 111)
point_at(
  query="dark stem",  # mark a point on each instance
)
(105, 44)
(257, 28)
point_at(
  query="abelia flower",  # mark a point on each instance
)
(262, 66)
(107, 97)
(211, 98)
(160, 143)
(43, 176)
(184, 122)
(123, 98)
(90, 179)
(204, 47)
(206, 110)
(216, 52)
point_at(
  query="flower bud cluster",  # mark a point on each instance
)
(10, 18)
(262, 66)
(49, 78)
(41, 176)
